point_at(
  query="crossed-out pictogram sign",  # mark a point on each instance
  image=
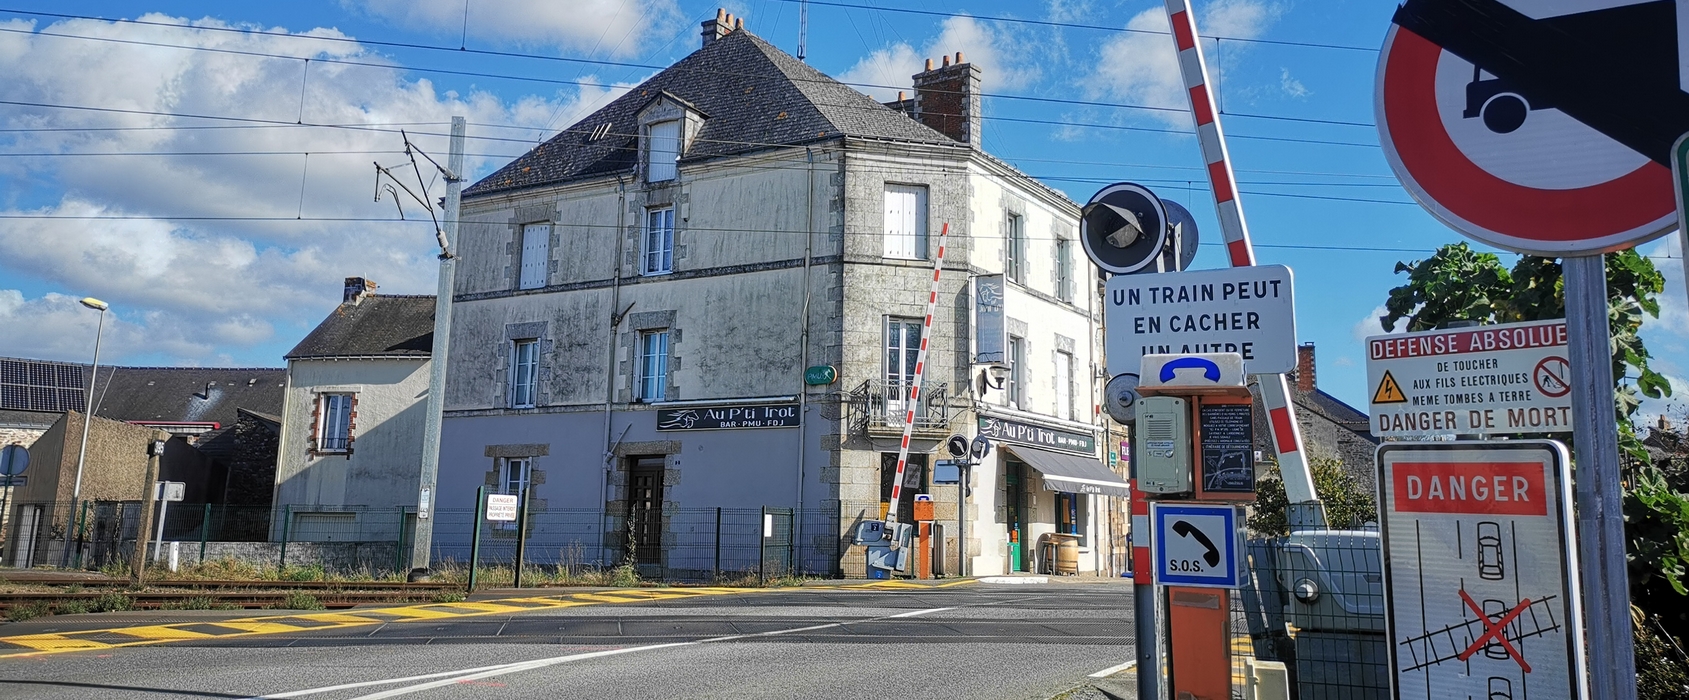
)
(1496, 630)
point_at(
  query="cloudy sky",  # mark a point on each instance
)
(206, 167)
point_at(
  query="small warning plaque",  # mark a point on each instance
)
(1388, 391)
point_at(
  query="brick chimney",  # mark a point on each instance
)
(718, 27)
(356, 289)
(1305, 380)
(948, 99)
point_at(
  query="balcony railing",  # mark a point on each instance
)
(877, 405)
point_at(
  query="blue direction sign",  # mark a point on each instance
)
(1196, 545)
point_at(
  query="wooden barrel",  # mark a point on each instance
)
(1067, 555)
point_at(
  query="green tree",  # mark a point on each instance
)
(1460, 284)
(1347, 502)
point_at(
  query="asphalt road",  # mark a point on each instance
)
(971, 641)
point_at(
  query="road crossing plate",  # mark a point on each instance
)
(1480, 570)
(1196, 545)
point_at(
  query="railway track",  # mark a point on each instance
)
(81, 591)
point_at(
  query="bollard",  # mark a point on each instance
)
(718, 542)
(175, 556)
(475, 539)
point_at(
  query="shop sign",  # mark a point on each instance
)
(1019, 433)
(820, 375)
(772, 415)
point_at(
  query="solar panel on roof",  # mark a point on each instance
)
(30, 385)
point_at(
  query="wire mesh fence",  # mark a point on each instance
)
(1315, 602)
(684, 544)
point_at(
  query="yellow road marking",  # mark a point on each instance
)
(162, 632)
(258, 627)
(56, 643)
(274, 624)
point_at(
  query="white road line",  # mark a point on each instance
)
(919, 612)
(449, 678)
(1114, 669)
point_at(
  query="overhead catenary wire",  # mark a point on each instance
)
(541, 57)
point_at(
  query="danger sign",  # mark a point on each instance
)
(1481, 592)
(1506, 378)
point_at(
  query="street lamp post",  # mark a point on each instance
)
(87, 420)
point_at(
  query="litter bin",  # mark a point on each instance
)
(1067, 555)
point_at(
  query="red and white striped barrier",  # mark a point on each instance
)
(1275, 391)
(920, 372)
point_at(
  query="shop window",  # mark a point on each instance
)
(1070, 515)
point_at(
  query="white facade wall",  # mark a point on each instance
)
(381, 471)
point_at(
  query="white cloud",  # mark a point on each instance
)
(990, 49)
(607, 27)
(1371, 326)
(1292, 86)
(1142, 68)
(201, 290)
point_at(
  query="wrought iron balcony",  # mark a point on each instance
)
(880, 406)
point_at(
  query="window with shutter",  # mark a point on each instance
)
(663, 151)
(1064, 386)
(536, 253)
(906, 222)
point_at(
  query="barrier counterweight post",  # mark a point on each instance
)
(913, 402)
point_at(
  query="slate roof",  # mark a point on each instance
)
(755, 95)
(379, 325)
(187, 394)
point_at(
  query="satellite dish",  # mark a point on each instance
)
(1120, 398)
(1181, 226)
(1123, 227)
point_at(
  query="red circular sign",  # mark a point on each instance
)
(1553, 377)
(1549, 187)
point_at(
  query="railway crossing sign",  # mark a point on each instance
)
(1481, 570)
(1196, 544)
(1539, 127)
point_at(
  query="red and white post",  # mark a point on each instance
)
(1275, 390)
(915, 386)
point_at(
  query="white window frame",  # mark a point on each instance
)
(657, 253)
(662, 151)
(905, 221)
(1064, 269)
(334, 411)
(535, 256)
(652, 381)
(524, 373)
(1014, 246)
(1016, 393)
(1064, 385)
(900, 345)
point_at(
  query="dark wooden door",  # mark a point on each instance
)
(645, 509)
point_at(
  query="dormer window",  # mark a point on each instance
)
(663, 151)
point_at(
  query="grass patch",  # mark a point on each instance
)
(27, 611)
(300, 600)
(72, 607)
(112, 602)
(450, 597)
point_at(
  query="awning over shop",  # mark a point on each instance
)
(1071, 473)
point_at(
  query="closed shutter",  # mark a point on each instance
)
(1064, 386)
(663, 151)
(536, 253)
(906, 222)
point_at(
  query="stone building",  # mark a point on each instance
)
(351, 427)
(710, 292)
(1331, 429)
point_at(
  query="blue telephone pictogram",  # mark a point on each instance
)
(1210, 370)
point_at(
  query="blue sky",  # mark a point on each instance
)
(1295, 83)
